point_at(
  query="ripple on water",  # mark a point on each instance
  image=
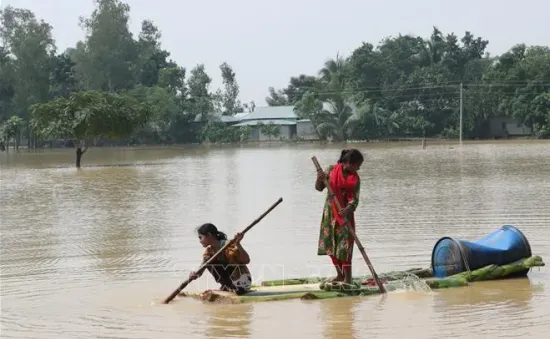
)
(87, 252)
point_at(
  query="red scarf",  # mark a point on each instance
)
(342, 188)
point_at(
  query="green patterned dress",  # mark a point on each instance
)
(336, 240)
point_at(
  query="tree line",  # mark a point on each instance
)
(110, 86)
(411, 86)
(114, 86)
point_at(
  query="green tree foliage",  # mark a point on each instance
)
(107, 58)
(217, 132)
(230, 96)
(151, 59)
(409, 86)
(106, 85)
(296, 89)
(270, 129)
(200, 98)
(89, 115)
(7, 83)
(114, 84)
(25, 61)
(10, 130)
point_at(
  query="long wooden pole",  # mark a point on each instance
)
(209, 261)
(346, 223)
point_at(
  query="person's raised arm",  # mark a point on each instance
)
(320, 182)
(243, 257)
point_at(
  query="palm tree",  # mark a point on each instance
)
(377, 120)
(432, 50)
(336, 115)
(337, 119)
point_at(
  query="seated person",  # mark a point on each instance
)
(229, 268)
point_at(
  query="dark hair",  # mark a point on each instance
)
(209, 228)
(351, 156)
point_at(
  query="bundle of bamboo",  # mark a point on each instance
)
(318, 288)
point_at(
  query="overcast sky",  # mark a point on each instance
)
(267, 42)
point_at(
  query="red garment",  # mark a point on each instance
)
(341, 264)
(343, 191)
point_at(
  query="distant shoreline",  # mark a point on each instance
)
(396, 141)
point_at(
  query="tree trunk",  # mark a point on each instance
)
(78, 157)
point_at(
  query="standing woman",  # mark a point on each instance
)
(335, 240)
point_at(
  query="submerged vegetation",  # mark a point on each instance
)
(116, 86)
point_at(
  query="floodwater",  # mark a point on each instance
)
(92, 253)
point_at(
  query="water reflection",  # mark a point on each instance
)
(29, 236)
(479, 309)
(515, 293)
(232, 181)
(339, 318)
(113, 233)
(194, 179)
(229, 321)
(124, 212)
(99, 157)
(111, 237)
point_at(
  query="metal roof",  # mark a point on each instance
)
(228, 118)
(271, 112)
(260, 113)
(266, 122)
(241, 115)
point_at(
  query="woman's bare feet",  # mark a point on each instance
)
(338, 278)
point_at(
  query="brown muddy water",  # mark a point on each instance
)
(91, 253)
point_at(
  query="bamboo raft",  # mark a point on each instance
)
(318, 288)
